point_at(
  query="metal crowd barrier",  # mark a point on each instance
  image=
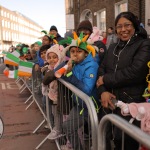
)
(87, 133)
(92, 121)
(33, 84)
(25, 85)
(131, 130)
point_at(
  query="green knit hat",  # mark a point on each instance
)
(38, 43)
(25, 50)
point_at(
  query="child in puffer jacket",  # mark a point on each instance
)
(54, 56)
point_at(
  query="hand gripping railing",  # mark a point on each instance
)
(125, 126)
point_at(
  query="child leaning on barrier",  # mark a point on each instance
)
(54, 56)
(83, 75)
(42, 53)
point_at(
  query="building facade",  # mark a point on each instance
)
(102, 13)
(16, 28)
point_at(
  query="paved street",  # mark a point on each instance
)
(2, 66)
(18, 122)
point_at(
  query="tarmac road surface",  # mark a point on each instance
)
(19, 123)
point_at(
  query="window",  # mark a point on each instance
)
(7, 15)
(10, 16)
(12, 26)
(101, 20)
(8, 24)
(6, 36)
(16, 27)
(86, 15)
(2, 13)
(121, 6)
(3, 35)
(69, 6)
(3, 23)
(13, 18)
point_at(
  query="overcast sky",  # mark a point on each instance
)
(43, 12)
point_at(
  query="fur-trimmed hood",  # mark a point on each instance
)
(59, 50)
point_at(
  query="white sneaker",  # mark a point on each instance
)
(54, 135)
(65, 147)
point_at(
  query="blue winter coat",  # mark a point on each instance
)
(84, 77)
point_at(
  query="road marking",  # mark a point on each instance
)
(10, 86)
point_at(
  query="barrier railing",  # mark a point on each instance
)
(25, 85)
(125, 126)
(92, 121)
(37, 95)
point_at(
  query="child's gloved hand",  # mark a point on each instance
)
(123, 106)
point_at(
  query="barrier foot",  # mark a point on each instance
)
(22, 86)
(42, 142)
(28, 99)
(17, 80)
(39, 126)
(29, 104)
(22, 89)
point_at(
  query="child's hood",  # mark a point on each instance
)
(59, 50)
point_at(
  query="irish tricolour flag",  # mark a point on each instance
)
(16, 53)
(11, 59)
(13, 74)
(25, 69)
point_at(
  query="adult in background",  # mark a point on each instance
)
(68, 34)
(111, 37)
(53, 31)
(104, 35)
(122, 74)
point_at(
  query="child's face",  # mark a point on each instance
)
(77, 54)
(52, 59)
(43, 55)
(36, 47)
(28, 56)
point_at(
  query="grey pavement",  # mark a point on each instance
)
(2, 67)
